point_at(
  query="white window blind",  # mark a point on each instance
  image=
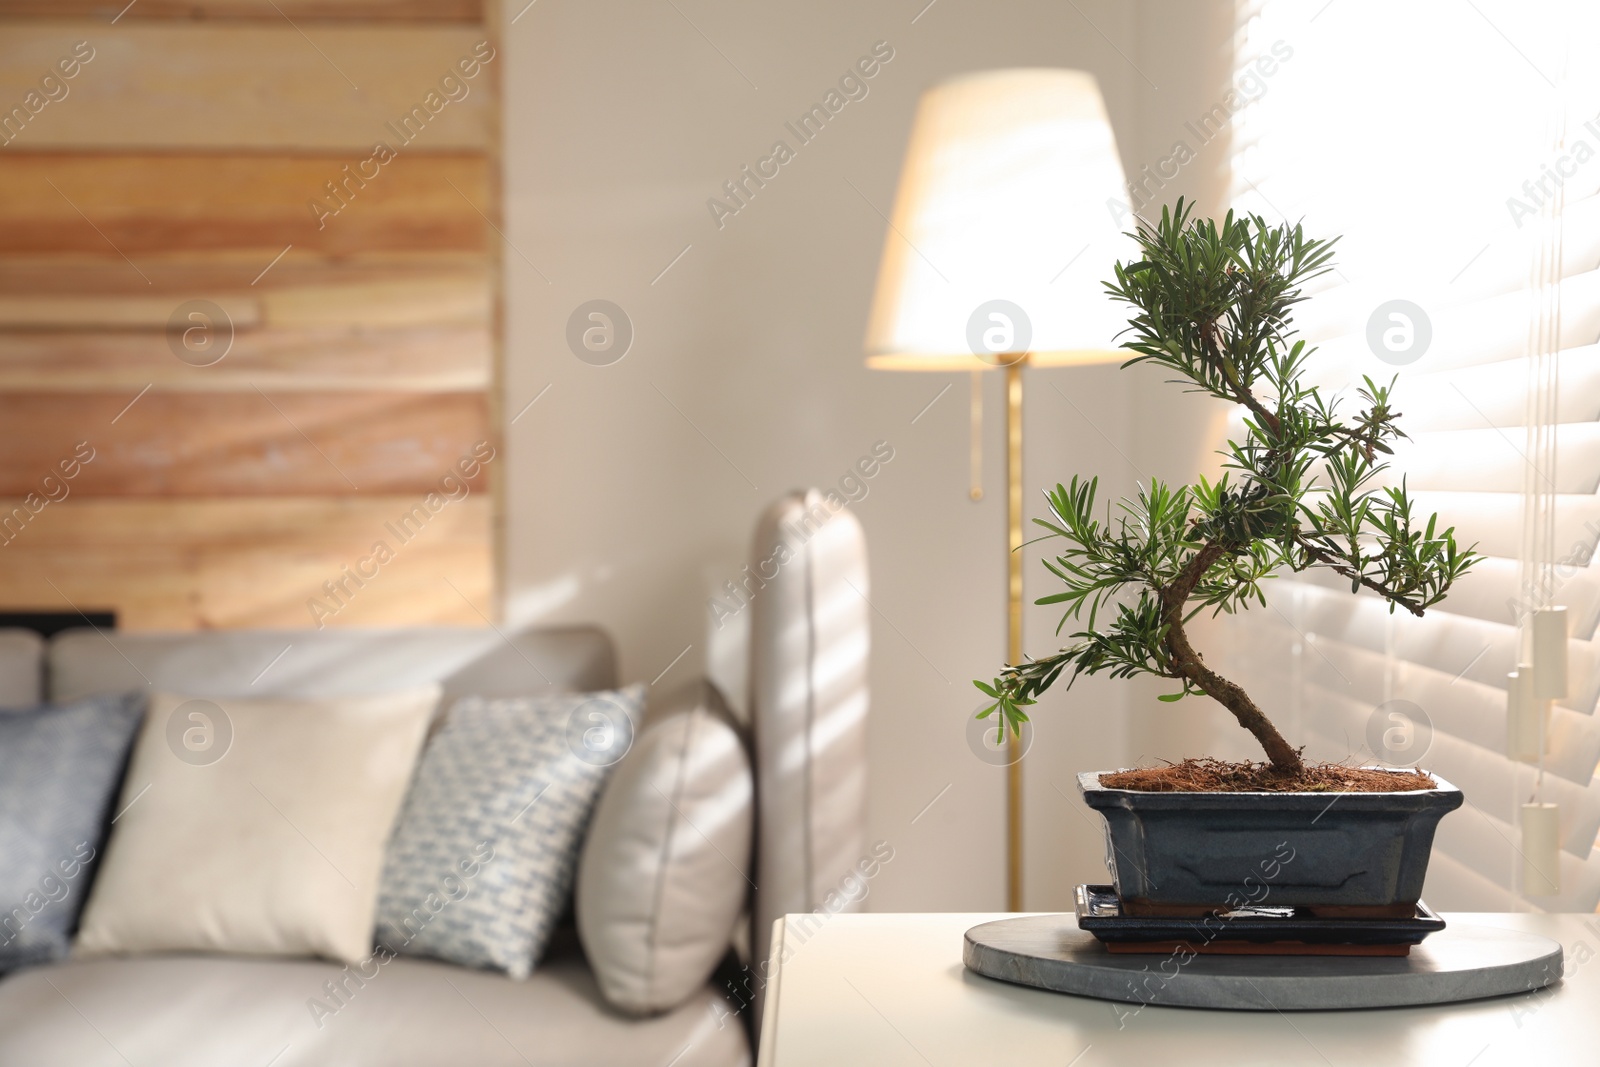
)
(1456, 146)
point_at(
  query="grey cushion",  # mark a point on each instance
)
(206, 1011)
(319, 664)
(481, 863)
(665, 870)
(59, 769)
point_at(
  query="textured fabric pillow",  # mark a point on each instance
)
(663, 881)
(481, 863)
(255, 826)
(59, 769)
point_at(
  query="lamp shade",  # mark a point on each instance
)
(1011, 210)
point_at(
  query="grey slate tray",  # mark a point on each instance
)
(1464, 962)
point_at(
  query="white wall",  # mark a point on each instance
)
(631, 484)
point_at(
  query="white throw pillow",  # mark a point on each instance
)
(664, 872)
(255, 826)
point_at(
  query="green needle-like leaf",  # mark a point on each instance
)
(1212, 304)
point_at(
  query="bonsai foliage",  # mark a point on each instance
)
(1301, 490)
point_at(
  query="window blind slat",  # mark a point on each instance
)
(1492, 591)
(1465, 885)
(1492, 785)
(1494, 460)
(1452, 645)
(1467, 335)
(1467, 848)
(1481, 842)
(1494, 520)
(1492, 394)
(1470, 711)
(1342, 309)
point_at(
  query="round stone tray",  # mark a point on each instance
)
(1458, 963)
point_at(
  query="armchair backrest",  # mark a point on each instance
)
(809, 639)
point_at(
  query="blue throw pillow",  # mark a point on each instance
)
(60, 768)
(481, 862)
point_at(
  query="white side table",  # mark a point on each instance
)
(888, 990)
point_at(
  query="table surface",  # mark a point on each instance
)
(891, 989)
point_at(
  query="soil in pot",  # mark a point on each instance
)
(1207, 775)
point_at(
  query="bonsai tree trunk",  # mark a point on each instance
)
(1188, 664)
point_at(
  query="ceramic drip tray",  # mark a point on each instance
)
(1250, 930)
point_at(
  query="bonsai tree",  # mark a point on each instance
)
(1212, 305)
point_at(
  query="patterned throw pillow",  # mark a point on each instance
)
(481, 864)
(59, 768)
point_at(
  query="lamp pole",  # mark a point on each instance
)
(1004, 170)
(1014, 624)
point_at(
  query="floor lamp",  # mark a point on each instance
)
(1010, 211)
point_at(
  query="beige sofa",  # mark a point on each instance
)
(807, 709)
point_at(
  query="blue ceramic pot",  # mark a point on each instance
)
(1332, 853)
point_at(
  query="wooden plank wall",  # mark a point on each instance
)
(248, 311)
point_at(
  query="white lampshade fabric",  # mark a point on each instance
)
(1011, 194)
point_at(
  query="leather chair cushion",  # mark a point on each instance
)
(201, 1011)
